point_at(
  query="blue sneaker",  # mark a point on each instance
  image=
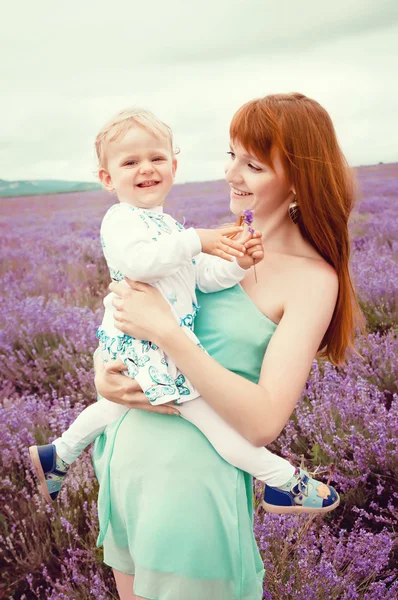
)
(301, 494)
(50, 470)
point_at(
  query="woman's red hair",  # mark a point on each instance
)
(303, 133)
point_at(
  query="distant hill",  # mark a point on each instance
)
(43, 186)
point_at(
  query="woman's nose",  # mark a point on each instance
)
(232, 173)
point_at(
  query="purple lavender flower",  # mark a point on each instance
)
(248, 216)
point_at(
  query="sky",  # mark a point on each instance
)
(67, 68)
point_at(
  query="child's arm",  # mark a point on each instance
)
(131, 248)
(214, 274)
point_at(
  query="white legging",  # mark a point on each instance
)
(233, 447)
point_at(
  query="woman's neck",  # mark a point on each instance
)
(280, 234)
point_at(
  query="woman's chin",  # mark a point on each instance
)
(237, 207)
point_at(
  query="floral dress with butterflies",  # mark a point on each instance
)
(151, 246)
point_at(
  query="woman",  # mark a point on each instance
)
(177, 519)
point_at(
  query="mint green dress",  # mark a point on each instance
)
(171, 510)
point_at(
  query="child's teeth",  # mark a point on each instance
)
(148, 183)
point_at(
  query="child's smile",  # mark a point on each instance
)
(147, 184)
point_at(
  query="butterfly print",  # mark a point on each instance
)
(133, 362)
(146, 346)
(164, 385)
(182, 389)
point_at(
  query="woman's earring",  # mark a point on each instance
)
(294, 211)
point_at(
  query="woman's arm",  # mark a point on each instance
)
(257, 411)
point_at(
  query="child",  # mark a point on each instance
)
(140, 241)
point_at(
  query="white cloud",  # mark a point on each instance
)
(70, 67)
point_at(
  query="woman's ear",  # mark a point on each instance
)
(106, 179)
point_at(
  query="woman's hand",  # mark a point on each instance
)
(141, 311)
(114, 386)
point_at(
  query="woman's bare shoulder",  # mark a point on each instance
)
(309, 269)
(310, 279)
(297, 276)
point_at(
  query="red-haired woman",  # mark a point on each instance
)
(180, 518)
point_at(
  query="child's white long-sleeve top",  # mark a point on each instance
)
(151, 246)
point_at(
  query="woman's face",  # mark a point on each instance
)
(254, 185)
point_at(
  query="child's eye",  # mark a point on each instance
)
(253, 168)
(158, 158)
(129, 163)
(231, 154)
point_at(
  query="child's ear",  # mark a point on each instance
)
(105, 179)
(174, 167)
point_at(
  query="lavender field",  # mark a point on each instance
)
(53, 279)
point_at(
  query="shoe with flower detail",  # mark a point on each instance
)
(301, 494)
(50, 470)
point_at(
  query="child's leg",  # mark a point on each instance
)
(233, 447)
(89, 424)
(288, 489)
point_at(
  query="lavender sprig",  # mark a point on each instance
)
(248, 216)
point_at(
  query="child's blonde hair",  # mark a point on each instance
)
(117, 127)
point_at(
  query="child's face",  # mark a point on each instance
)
(140, 168)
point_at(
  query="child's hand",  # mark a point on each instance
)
(254, 251)
(216, 242)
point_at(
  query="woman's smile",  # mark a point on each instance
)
(237, 192)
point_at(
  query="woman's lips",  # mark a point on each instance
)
(239, 193)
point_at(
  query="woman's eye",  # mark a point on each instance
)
(231, 154)
(253, 168)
